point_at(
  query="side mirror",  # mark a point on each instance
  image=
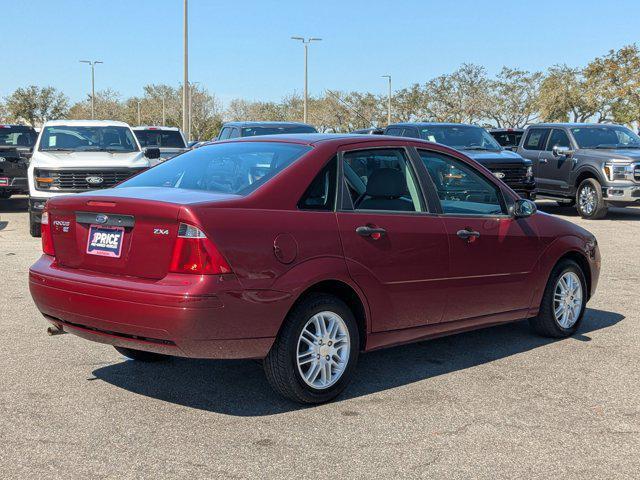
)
(152, 153)
(524, 208)
(559, 151)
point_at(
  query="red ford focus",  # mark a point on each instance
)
(305, 250)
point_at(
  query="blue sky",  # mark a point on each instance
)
(243, 49)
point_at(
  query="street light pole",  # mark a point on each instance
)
(163, 113)
(139, 122)
(306, 43)
(388, 100)
(93, 84)
(185, 83)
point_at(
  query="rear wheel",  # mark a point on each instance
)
(563, 302)
(589, 200)
(141, 355)
(315, 354)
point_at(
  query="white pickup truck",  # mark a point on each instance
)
(73, 156)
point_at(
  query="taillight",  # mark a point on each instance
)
(195, 253)
(45, 230)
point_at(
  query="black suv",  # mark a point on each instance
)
(251, 129)
(478, 144)
(16, 147)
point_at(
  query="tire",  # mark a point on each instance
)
(35, 229)
(140, 355)
(592, 206)
(281, 366)
(547, 323)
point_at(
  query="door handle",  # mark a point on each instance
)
(543, 160)
(468, 234)
(369, 231)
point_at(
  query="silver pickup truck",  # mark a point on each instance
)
(591, 166)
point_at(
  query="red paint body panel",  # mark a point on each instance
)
(418, 281)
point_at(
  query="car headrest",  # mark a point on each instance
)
(23, 140)
(386, 182)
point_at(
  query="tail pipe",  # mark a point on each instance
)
(55, 330)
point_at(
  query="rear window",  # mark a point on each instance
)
(507, 139)
(236, 168)
(17, 136)
(277, 130)
(160, 138)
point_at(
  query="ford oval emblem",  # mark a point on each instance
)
(94, 180)
(101, 218)
(499, 175)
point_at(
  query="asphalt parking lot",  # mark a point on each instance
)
(496, 403)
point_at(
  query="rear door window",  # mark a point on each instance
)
(322, 191)
(381, 179)
(536, 139)
(395, 131)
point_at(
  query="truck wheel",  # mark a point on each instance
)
(314, 356)
(141, 355)
(589, 200)
(563, 302)
(35, 228)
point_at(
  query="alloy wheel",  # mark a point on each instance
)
(587, 199)
(323, 350)
(567, 299)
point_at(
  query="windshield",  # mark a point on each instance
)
(238, 168)
(605, 136)
(15, 136)
(87, 139)
(462, 137)
(160, 138)
(277, 130)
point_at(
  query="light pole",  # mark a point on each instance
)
(163, 113)
(306, 43)
(388, 100)
(185, 83)
(93, 84)
(139, 102)
(191, 85)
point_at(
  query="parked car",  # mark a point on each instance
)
(169, 140)
(72, 156)
(590, 166)
(251, 129)
(508, 138)
(304, 250)
(476, 143)
(16, 146)
(369, 131)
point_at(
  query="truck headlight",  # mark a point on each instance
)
(618, 171)
(43, 179)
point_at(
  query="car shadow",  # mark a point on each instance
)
(239, 387)
(615, 213)
(14, 204)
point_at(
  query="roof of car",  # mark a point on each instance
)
(85, 123)
(432, 124)
(317, 138)
(14, 125)
(573, 124)
(155, 127)
(267, 124)
(500, 130)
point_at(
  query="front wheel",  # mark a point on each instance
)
(563, 302)
(315, 354)
(589, 200)
(141, 355)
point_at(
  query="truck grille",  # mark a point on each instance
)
(78, 180)
(512, 173)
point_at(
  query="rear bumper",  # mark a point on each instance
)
(182, 315)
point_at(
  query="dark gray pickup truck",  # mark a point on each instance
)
(16, 147)
(590, 166)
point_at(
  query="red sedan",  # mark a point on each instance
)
(305, 250)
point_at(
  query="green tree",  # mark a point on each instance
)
(35, 105)
(513, 98)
